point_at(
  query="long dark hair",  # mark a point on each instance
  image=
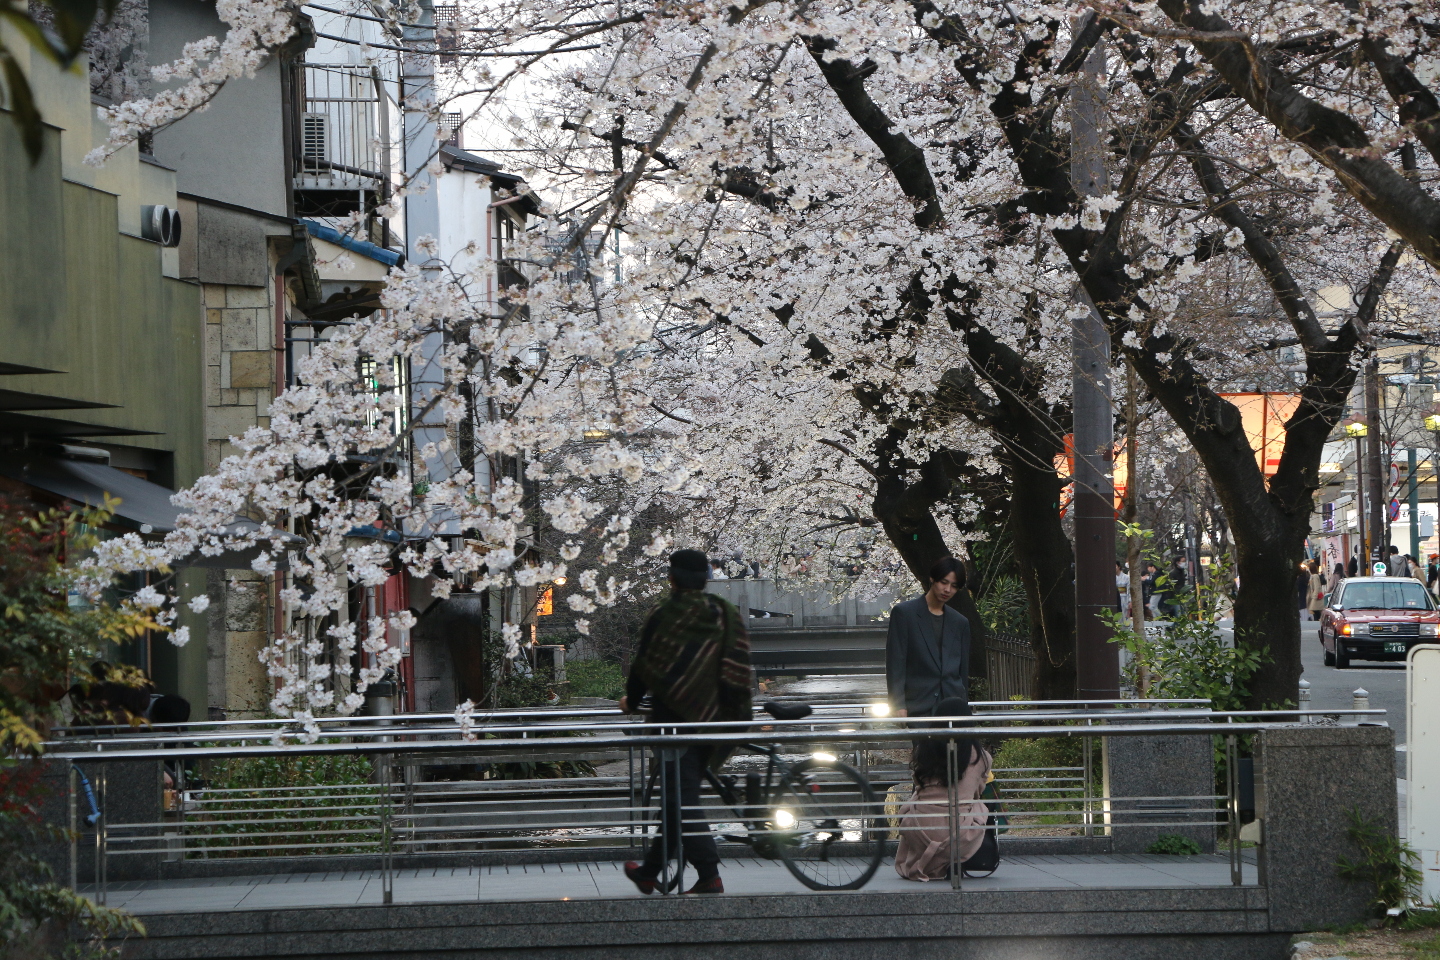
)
(928, 764)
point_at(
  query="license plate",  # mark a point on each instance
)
(1394, 648)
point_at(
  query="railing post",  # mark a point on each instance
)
(1360, 699)
(101, 840)
(952, 805)
(1302, 700)
(1087, 811)
(74, 835)
(387, 880)
(634, 801)
(1232, 808)
(670, 788)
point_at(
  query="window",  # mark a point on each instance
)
(1385, 595)
(451, 130)
(447, 39)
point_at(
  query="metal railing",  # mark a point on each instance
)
(611, 805)
(340, 128)
(1010, 667)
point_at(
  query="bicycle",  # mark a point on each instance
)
(820, 816)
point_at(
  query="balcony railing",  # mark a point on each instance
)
(340, 128)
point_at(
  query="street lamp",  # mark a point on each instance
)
(1356, 431)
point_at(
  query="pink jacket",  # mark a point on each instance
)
(924, 852)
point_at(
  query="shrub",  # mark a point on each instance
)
(266, 795)
(1174, 845)
(1048, 800)
(595, 678)
(1385, 861)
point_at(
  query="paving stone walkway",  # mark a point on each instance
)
(568, 881)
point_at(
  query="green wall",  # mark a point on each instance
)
(78, 296)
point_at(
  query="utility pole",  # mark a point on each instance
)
(1357, 431)
(1379, 474)
(1414, 465)
(1097, 660)
(1133, 559)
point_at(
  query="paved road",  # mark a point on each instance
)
(1333, 688)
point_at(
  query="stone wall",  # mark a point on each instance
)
(1307, 780)
(1177, 767)
(240, 368)
(240, 361)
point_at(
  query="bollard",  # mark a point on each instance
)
(1360, 699)
(1303, 700)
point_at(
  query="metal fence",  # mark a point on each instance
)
(1010, 665)
(841, 774)
(340, 128)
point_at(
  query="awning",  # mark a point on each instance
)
(142, 503)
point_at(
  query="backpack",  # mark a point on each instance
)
(986, 860)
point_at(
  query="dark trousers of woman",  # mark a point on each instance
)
(686, 768)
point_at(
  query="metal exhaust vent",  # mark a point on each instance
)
(161, 224)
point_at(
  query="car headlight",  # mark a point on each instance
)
(1346, 629)
(1430, 629)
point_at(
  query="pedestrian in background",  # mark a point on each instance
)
(1147, 589)
(1302, 587)
(1316, 590)
(927, 649)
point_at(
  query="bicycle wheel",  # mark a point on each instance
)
(670, 874)
(825, 824)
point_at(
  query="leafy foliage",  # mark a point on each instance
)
(38, 915)
(1189, 659)
(251, 798)
(1053, 792)
(1385, 860)
(1174, 845)
(1004, 607)
(43, 641)
(595, 678)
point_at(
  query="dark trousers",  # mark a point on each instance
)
(697, 842)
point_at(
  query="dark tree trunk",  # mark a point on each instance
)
(1266, 616)
(1047, 569)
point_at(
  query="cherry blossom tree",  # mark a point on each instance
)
(854, 249)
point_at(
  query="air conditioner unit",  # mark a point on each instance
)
(315, 137)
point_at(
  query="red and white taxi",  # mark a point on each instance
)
(1376, 618)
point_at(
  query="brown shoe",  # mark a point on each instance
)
(713, 885)
(635, 872)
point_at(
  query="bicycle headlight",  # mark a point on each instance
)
(827, 757)
(879, 709)
(784, 819)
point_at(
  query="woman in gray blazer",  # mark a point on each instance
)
(927, 651)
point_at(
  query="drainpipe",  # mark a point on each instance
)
(422, 218)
